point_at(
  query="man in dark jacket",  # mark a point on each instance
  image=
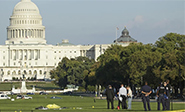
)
(110, 96)
(168, 88)
(146, 91)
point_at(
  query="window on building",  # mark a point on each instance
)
(14, 73)
(30, 72)
(35, 72)
(8, 72)
(19, 72)
(24, 72)
(40, 71)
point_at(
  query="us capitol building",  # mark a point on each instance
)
(26, 53)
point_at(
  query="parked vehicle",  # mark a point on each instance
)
(26, 97)
(30, 93)
(19, 97)
(4, 96)
(43, 93)
(55, 97)
(67, 93)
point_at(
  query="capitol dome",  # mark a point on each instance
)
(26, 7)
(26, 25)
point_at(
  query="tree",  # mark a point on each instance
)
(73, 71)
(172, 64)
(110, 70)
(140, 65)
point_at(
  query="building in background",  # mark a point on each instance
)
(26, 53)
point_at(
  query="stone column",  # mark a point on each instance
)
(25, 55)
(35, 56)
(10, 54)
(34, 33)
(15, 33)
(17, 55)
(44, 34)
(14, 54)
(24, 33)
(21, 55)
(20, 33)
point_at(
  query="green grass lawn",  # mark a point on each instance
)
(73, 103)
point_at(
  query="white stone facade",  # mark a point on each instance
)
(26, 53)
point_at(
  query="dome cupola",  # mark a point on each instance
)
(26, 25)
(26, 7)
(125, 32)
(125, 37)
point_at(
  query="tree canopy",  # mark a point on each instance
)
(133, 64)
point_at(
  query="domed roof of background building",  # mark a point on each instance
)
(125, 37)
(125, 31)
(26, 7)
(65, 42)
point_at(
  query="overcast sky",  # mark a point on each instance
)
(95, 21)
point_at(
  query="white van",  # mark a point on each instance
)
(3, 96)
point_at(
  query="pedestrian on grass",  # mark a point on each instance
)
(160, 96)
(122, 97)
(129, 96)
(110, 96)
(167, 88)
(146, 91)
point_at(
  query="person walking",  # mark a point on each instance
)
(146, 91)
(122, 97)
(110, 96)
(167, 88)
(160, 96)
(129, 96)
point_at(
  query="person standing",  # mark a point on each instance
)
(110, 96)
(122, 97)
(129, 96)
(160, 94)
(146, 91)
(167, 101)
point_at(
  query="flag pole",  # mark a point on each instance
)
(116, 33)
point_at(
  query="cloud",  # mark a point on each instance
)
(137, 21)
